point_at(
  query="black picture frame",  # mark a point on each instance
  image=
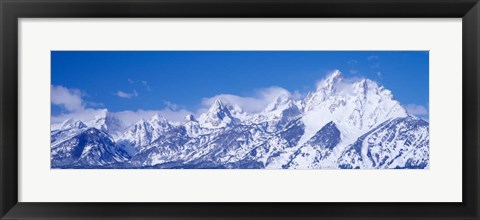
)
(12, 10)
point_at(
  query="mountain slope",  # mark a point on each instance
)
(396, 143)
(316, 150)
(87, 148)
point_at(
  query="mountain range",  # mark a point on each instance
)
(342, 124)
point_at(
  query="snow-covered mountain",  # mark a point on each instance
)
(86, 147)
(396, 143)
(342, 124)
(102, 120)
(217, 116)
(107, 122)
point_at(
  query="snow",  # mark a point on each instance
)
(356, 107)
(218, 116)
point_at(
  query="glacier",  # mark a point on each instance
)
(342, 124)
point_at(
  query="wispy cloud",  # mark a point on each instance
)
(145, 85)
(126, 95)
(375, 66)
(142, 83)
(417, 110)
(95, 104)
(171, 105)
(352, 62)
(373, 60)
(70, 99)
(353, 66)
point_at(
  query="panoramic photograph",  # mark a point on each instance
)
(305, 110)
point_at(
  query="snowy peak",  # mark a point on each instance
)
(91, 147)
(158, 118)
(140, 126)
(138, 136)
(280, 103)
(334, 77)
(102, 114)
(278, 113)
(333, 90)
(334, 86)
(143, 133)
(107, 122)
(355, 107)
(190, 118)
(325, 89)
(160, 125)
(217, 116)
(329, 83)
(67, 122)
(192, 126)
(218, 111)
(71, 123)
(158, 121)
(218, 106)
(365, 86)
(100, 121)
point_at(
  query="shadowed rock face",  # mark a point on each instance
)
(327, 137)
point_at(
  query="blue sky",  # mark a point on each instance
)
(132, 80)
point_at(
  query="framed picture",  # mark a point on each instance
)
(225, 109)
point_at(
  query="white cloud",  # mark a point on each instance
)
(131, 81)
(416, 110)
(70, 99)
(353, 71)
(250, 104)
(126, 95)
(373, 57)
(379, 74)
